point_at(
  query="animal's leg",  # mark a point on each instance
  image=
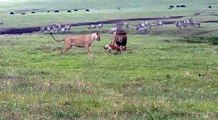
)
(66, 48)
(88, 50)
(124, 48)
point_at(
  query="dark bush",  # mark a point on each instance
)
(75, 9)
(209, 6)
(69, 11)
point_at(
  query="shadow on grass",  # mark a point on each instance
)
(212, 40)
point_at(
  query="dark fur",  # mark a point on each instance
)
(121, 39)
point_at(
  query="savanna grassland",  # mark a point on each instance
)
(168, 74)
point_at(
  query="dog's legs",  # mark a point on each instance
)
(66, 48)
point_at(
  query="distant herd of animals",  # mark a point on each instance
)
(141, 27)
(183, 6)
(23, 12)
(119, 41)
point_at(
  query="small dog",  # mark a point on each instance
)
(111, 48)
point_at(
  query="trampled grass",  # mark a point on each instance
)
(154, 79)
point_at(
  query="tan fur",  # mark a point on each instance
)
(84, 41)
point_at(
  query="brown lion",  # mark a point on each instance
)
(120, 39)
(84, 41)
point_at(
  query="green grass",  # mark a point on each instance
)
(107, 8)
(153, 79)
(169, 74)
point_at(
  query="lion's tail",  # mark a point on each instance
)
(55, 38)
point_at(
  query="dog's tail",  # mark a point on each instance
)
(55, 38)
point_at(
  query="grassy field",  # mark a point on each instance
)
(167, 75)
(99, 11)
(157, 78)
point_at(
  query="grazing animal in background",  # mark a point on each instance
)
(92, 26)
(120, 39)
(65, 28)
(193, 23)
(144, 24)
(171, 6)
(141, 29)
(84, 41)
(188, 23)
(182, 5)
(100, 25)
(119, 25)
(126, 24)
(55, 28)
(180, 24)
(159, 23)
(46, 29)
(197, 24)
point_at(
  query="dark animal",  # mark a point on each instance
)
(87, 10)
(11, 13)
(171, 6)
(183, 6)
(56, 11)
(120, 39)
